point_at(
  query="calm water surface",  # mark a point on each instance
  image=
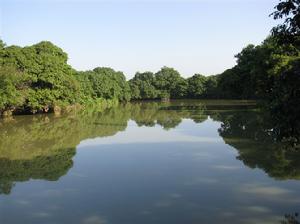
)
(186, 162)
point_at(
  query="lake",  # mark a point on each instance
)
(185, 162)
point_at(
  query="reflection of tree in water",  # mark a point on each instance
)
(166, 114)
(286, 125)
(42, 147)
(253, 137)
(40, 167)
(291, 219)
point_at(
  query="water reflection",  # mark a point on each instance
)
(290, 219)
(42, 147)
(172, 162)
(253, 137)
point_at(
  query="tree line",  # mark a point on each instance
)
(37, 78)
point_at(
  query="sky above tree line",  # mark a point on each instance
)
(192, 36)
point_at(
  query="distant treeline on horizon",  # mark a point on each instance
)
(37, 78)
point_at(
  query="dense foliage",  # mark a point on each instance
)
(37, 78)
(166, 83)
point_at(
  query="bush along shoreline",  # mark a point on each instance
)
(37, 79)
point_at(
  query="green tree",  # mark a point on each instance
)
(288, 31)
(49, 79)
(169, 82)
(11, 88)
(108, 83)
(142, 86)
(196, 86)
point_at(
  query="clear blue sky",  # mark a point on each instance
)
(192, 36)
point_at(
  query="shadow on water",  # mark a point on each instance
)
(42, 147)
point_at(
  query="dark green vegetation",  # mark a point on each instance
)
(43, 146)
(37, 79)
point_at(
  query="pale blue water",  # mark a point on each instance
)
(146, 163)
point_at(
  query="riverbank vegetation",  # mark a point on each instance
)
(37, 78)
